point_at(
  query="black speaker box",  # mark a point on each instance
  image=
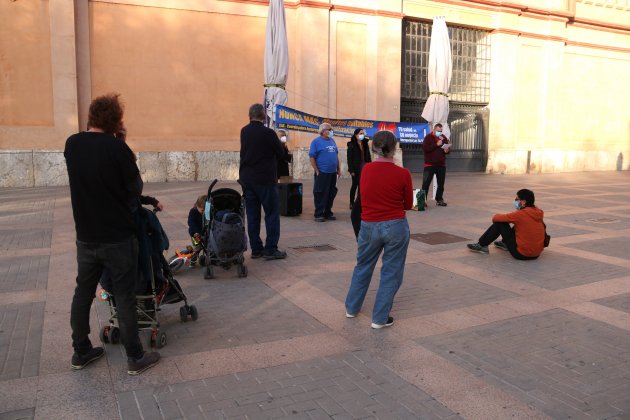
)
(290, 198)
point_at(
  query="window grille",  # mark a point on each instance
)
(470, 81)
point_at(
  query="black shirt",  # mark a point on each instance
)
(260, 151)
(105, 187)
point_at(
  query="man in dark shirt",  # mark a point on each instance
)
(260, 151)
(435, 147)
(105, 188)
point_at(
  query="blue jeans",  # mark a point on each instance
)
(324, 193)
(267, 197)
(391, 237)
(121, 262)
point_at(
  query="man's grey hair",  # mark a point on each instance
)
(257, 112)
(324, 126)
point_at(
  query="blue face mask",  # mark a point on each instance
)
(517, 204)
(361, 137)
(438, 133)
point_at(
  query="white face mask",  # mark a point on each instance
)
(330, 133)
(283, 139)
(361, 137)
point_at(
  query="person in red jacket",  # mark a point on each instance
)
(525, 241)
(386, 192)
(435, 147)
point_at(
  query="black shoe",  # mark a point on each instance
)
(389, 323)
(320, 219)
(137, 366)
(441, 203)
(501, 245)
(256, 254)
(275, 255)
(330, 218)
(79, 361)
(478, 248)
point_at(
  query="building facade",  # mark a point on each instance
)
(539, 86)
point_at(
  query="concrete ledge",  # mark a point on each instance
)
(37, 168)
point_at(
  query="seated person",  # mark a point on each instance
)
(526, 239)
(195, 227)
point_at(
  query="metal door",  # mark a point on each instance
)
(469, 94)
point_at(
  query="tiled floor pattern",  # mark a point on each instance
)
(23, 273)
(20, 339)
(563, 364)
(343, 386)
(258, 337)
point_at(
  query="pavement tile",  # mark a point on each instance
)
(476, 336)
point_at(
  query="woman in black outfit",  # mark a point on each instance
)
(358, 155)
(283, 163)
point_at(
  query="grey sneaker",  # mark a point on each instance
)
(478, 248)
(388, 323)
(137, 366)
(275, 255)
(501, 245)
(79, 361)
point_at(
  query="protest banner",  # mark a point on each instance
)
(292, 119)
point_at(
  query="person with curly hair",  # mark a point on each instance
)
(105, 189)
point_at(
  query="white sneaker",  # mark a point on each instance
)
(350, 315)
(389, 323)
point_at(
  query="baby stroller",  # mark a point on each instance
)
(224, 231)
(155, 287)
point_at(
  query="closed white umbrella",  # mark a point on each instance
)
(439, 76)
(276, 59)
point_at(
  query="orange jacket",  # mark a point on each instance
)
(529, 229)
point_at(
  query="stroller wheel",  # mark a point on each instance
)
(161, 340)
(175, 263)
(241, 270)
(114, 335)
(104, 335)
(208, 272)
(202, 260)
(183, 314)
(192, 310)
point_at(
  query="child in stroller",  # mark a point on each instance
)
(155, 287)
(224, 231)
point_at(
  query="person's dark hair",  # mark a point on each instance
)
(528, 196)
(356, 133)
(106, 113)
(257, 112)
(437, 125)
(384, 143)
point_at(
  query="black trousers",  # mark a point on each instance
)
(508, 236)
(356, 179)
(427, 176)
(121, 262)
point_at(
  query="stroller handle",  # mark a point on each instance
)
(212, 186)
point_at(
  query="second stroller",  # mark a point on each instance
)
(224, 231)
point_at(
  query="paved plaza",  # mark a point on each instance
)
(476, 336)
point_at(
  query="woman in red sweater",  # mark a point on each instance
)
(386, 192)
(525, 241)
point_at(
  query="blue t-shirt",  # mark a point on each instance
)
(325, 153)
